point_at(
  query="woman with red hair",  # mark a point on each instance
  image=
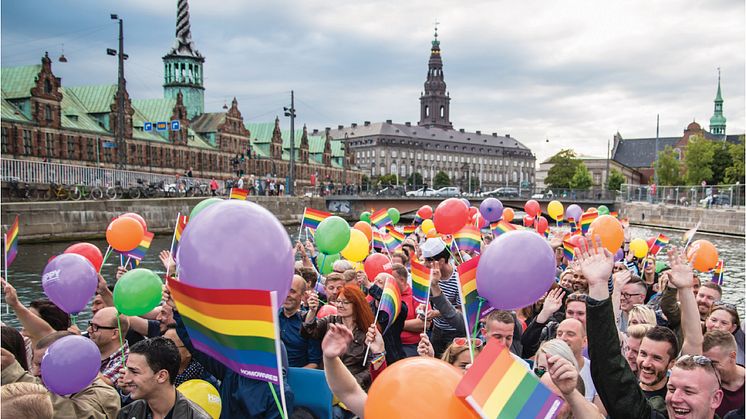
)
(353, 312)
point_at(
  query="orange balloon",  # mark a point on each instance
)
(508, 214)
(431, 234)
(591, 209)
(393, 394)
(703, 255)
(365, 228)
(124, 234)
(610, 230)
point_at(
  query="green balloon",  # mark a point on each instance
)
(394, 215)
(325, 262)
(603, 210)
(660, 266)
(138, 292)
(365, 216)
(202, 205)
(332, 235)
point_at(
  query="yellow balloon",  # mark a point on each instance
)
(427, 225)
(555, 210)
(203, 394)
(357, 248)
(639, 248)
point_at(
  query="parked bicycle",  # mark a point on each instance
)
(152, 190)
(83, 191)
(57, 191)
(116, 191)
(21, 192)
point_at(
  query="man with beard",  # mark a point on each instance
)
(708, 293)
(657, 354)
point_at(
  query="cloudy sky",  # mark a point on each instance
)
(573, 72)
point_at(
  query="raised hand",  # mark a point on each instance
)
(621, 278)
(11, 296)
(595, 262)
(167, 260)
(313, 301)
(552, 303)
(336, 340)
(374, 339)
(121, 270)
(563, 374)
(425, 348)
(681, 274)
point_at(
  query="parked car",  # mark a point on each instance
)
(391, 191)
(422, 192)
(502, 192)
(715, 200)
(448, 191)
(542, 195)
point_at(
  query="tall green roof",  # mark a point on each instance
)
(17, 82)
(96, 99)
(12, 113)
(155, 110)
(261, 132)
(74, 115)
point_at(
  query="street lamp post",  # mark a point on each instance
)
(121, 147)
(291, 113)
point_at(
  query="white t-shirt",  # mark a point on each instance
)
(585, 373)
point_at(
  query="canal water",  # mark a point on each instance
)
(25, 273)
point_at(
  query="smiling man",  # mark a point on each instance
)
(152, 367)
(656, 356)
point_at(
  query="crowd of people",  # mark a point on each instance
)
(626, 339)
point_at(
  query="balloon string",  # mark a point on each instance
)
(121, 343)
(106, 256)
(74, 319)
(476, 321)
(277, 402)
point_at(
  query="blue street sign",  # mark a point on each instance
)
(147, 126)
(109, 144)
(175, 125)
(161, 126)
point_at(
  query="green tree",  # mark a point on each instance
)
(563, 169)
(615, 180)
(735, 173)
(364, 181)
(582, 178)
(415, 179)
(698, 160)
(721, 161)
(668, 167)
(441, 180)
(386, 180)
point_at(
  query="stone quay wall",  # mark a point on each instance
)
(729, 221)
(77, 220)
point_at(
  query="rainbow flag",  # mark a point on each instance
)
(498, 386)
(390, 302)
(138, 253)
(312, 217)
(717, 273)
(560, 222)
(417, 220)
(586, 219)
(181, 222)
(390, 242)
(660, 242)
(468, 238)
(236, 327)
(420, 282)
(501, 227)
(237, 193)
(11, 244)
(614, 214)
(568, 249)
(410, 229)
(377, 241)
(467, 275)
(395, 234)
(380, 218)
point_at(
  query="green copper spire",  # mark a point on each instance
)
(717, 122)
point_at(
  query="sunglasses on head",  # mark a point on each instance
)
(700, 360)
(477, 343)
(724, 304)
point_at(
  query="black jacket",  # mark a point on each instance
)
(183, 409)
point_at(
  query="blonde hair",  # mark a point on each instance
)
(638, 331)
(559, 347)
(29, 400)
(453, 351)
(644, 313)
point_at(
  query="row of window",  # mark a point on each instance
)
(361, 155)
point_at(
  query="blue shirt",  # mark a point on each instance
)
(301, 351)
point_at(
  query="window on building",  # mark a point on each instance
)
(48, 113)
(442, 111)
(5, 139)
(382, 153)
(47, 86)
(515, 176)
(90, 155)
(372, 170)
(427, 111)
(393, 169)
(49, 142)
(70, 147)
(27, 143)
(437, 158)
(393, 153)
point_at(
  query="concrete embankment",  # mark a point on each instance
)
(729, 221)
(75, 220)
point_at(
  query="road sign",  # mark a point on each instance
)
(109, 144)
(161, 126)
(175, 125)
(147, 126)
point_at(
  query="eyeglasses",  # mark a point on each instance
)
(477, 343)
(619, 268)
(687, 361)
(724, 304)
(628, 296)
(94, 327)
(343, 303)
(539, 371)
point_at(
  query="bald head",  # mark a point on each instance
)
(573, 333)
(295, 295)
(381, 279)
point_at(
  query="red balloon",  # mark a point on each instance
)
(532, 208)
(450, 216)
(425, 212)
(576, 240)
(138, 218)
(472, 211)
(541, 224)
(375, 264)
(88, 251)
(481, 222)
(326, 310)
(528, 221)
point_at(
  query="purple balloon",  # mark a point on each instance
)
(491, 209)
(236, 245)
(70, 365)
(70, 281)
(573, 211)
(619, 255)
(515, 270)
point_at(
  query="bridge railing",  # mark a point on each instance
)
(708, 196)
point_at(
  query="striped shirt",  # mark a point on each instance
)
(450, 292)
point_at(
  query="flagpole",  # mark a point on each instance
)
(375, 322)
(275, 321)
(466, 320)
(106, 256)
(300, 227)
(5, 268)
(173, 238)
(427, 300)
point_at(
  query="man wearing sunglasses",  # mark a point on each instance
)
(444, 282)
(104, 332)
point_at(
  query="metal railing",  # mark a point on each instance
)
(67, 174)
(708, 196)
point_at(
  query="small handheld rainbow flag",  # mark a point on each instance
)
(586, 220)
(560, 222)
(313, 217)
(395, 234)
(467, 275)
(417, 220)
(568, 249)
(11, 244)
(237, 193)
(468, 238)
(390, 302)
(501, 227)
(390, 242)
(410, 229)
(717, 273)
(377, 241)
(181, 222)
(420, 282)
(660, 242)
(380, 218)
(498, 386)
(138, 253)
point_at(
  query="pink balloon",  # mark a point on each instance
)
(326, 310)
